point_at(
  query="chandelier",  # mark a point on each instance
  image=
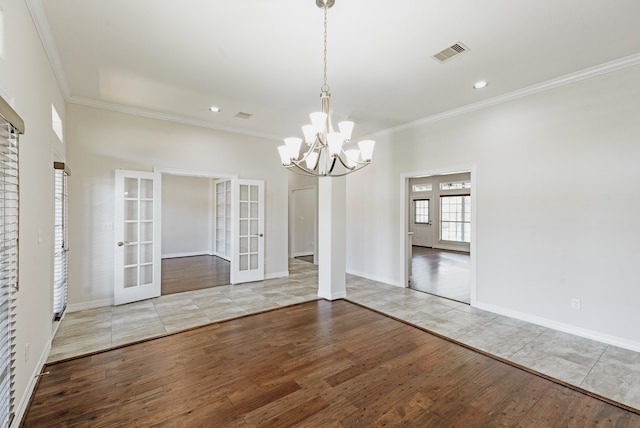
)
(327, 152)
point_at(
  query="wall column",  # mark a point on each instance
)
(332, 240)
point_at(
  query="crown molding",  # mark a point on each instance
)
(165, 116)
(41, 23)
(44, 31)
(608, 67)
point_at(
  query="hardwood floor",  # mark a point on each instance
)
(182, 274)
(442, 273)
(314, 364)
(308, 259)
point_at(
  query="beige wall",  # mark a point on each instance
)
(101, 141)
(186, 215)
(557, 205)
(28, 83)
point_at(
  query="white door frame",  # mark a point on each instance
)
(405, 260)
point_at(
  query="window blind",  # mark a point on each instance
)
(10, 126)
(60, 241)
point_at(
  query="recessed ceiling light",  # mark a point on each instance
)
(214, 109)
(481, 84)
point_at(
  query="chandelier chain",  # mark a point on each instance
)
(325, 87)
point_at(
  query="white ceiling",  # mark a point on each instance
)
(175, 58)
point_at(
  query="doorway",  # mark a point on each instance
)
(180, 274)
(138, 225)
(438, 233)
(243, 221)
(303, 224)
(191, 259)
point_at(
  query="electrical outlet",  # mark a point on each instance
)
(26, 353)
(575, 303)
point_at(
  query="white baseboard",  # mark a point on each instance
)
(376, 278)
(21, 407)
(75, 307)
(566, 328)
(333, 296)
(274, 275)
(222, 256)
(190, 254)
(303, 254)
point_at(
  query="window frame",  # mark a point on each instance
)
(465, 211)
(61, 240)
(420, 211)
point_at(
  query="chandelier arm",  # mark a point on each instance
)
(363, 163)
(343, 163)
(302, 170)
(333, 164)
(342, 174)
(313, 147)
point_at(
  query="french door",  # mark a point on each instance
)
(138, 235)
(247, 261)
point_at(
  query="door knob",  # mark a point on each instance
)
(121, 243)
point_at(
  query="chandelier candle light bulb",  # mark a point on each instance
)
(328, 153)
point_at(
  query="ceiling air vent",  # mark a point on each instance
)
(243, 115)
(450, 52)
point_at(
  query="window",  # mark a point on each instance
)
(455, 218)
(60, 241)
(10, 126)
(421, 211)
(455, 185)
(56, 123)
(427, 187)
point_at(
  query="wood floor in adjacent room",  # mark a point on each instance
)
(316, 364)
(182, 274)
(441, 272)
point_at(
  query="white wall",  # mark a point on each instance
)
(101, 141)
(186, 212)
(27, 82)
(557, 203)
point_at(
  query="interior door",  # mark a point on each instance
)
(247, 263)
(137, 233)
(421, 223)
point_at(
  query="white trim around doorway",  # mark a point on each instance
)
(404, 221)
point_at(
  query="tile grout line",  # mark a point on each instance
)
(594, 365)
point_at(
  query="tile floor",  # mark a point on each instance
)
(606, 370)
